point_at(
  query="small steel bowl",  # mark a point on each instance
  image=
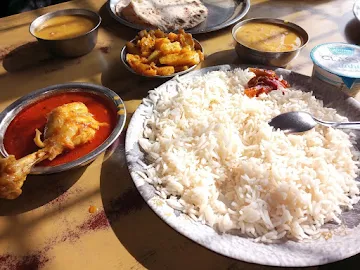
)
(70, 47)
(127, 66)
(114, 100)
(278, 59)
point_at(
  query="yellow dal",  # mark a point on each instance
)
(63, 27)
(268, 37)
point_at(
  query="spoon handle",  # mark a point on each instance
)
(347, 125)
(343, 125)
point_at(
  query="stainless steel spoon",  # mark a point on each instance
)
(294, 122)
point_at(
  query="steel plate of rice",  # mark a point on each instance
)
(212, 155)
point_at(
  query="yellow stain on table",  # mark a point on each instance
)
(131, 105)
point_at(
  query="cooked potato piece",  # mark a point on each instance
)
(168, 48)
(187, 48)
(173, 37)
(160, 41)
(184, 59)
(139, 67)
(144, 60)
(146, 54)
(132, 58)
(147, 70)
(147, 44)
(167, 70)
(133, 61)
(144, 69)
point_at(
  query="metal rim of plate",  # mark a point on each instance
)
(240, 10)
(286, 254)
(356, 9)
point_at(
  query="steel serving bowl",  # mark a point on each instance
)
(278, 59)
(70, 47)
(114, 100)
(127, 66)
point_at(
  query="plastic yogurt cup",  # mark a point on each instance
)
(338, 64)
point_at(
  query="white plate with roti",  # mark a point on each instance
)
(194, 16)
(203, 156)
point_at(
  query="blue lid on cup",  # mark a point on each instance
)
(341, 59)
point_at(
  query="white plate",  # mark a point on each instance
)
(289, 253)
(221, 14)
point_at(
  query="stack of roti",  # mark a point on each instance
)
(167, 15)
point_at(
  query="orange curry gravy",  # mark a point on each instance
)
(19, 136)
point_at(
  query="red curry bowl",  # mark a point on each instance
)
(19, 120)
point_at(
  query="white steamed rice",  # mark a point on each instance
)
(213, 155)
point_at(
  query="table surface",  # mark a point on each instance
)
(49, 226)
